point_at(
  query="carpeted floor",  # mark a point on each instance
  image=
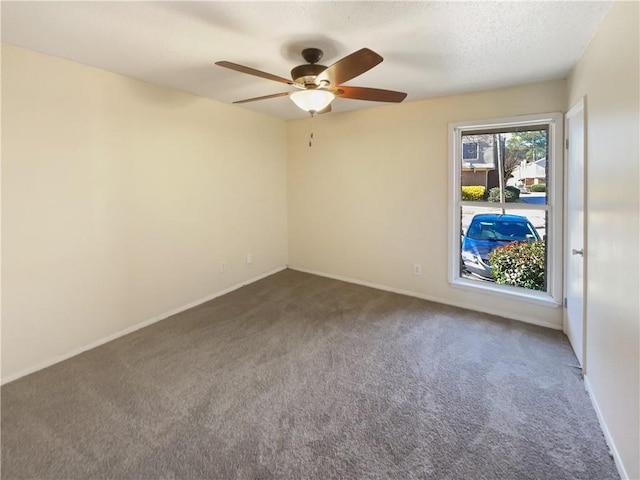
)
(302, 377)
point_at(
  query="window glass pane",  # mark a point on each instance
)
(526, 164)
(470, 150)
(504, 247)
(477, 163)
(508, 166)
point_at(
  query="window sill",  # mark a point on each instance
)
(505, 291)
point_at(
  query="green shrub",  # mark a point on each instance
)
(521, 264)
(472, 192)
(538, 187)
(515, 191)
(509, 195)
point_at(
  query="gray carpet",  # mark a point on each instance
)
(302, 377)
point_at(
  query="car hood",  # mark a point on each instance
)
(481, 248)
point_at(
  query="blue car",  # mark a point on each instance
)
(488, 231)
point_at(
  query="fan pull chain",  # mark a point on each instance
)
(311, 134)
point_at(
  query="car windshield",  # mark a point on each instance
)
(501, 230)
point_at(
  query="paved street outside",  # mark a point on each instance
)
(536, 217)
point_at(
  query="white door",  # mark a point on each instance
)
(575, 242)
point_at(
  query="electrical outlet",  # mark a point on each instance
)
(249, 259)
(223, 267)
(417, 269)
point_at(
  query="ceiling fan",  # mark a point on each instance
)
(316, 85)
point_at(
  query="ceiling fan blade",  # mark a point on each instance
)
(265, 97)
(372, 94)
(253, 71)
(326, 109)
(350, 67)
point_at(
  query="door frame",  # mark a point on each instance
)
(579, 105)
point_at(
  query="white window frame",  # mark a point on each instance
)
(554, 207)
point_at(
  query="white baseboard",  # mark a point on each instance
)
(133, 328)
(138, 326)
(520, 318)
(607, 436)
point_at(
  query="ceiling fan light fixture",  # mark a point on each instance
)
(312, 100)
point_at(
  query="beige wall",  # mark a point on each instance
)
(119, 200)
(608, 77)
(369, 198)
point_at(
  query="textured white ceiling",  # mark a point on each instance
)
(429, 48)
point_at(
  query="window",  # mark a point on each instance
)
(470, 151)
(505, 208)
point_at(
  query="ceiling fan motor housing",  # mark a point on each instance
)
(306, 74)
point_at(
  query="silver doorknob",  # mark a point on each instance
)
(577, 252)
